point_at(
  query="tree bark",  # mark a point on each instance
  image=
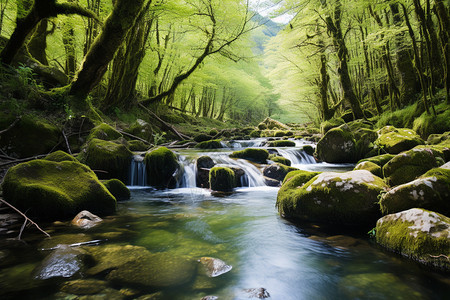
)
(38, 42)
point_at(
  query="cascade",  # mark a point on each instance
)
(188, 173)
(137, 172)
(297, 156)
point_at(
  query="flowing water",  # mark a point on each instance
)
(242, 229)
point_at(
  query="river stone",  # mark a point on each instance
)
(395, 140)
(371, 167)
(62, 262)
(379, 160)
(161, 165)
(204, 164)
(431, 191)
(259, 293)
(60, 156)
(84, 286)
(104, 132)
(337, 146)
(337, 198)
(411, 164)
(56, 190)
(271, 182)
(160, 270)
(118, 189)
(86, 220)
(281, 160)
(277, 171)
(222, 179)
(214, 267)
(376, 286)
(299, 177)
(419, 234)
(210, 298)
(252, 154)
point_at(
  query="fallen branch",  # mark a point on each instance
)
(10, 126)
(22, 160)
(67, 141)
(165, 125)
(134, 137)
(26, 219)
(439, 256)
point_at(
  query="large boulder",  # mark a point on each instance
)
(253, 154)
(431, 191)
(56, 190)
(64, 262)
(277, 171)
(395, 140)
(111, 158)
(338, 198)
(280, 159)
(60, 156)
(222, 179)
(337, 146)
(379, 160)
(204, 164)
(281, 143)
(161, 165)
(411, 164)
(104, 132)
(28, 136)
(118, 189)
(419, 234)
(212, 144)
(371, 167)
(298, 177)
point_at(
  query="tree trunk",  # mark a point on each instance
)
(115, 29)
(38, 42)
(444, 34)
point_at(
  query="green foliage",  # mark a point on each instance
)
(427, 124)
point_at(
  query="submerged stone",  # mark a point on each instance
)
(84, 286)
(214, 267)
(259, 293)
(419, 234)
(62, 262)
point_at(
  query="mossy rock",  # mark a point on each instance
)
(274, 124)
(141, 129)
(203, 137)
(434, 139)
(395, 140)
(204, 164)
(59, 156)
(136, 145)
(262, 126)
(419, 234)
(301, 177)
(118, 189)
(431, 191)
(379, 160)
(308, 149)
(253, 154)
(409, 165)
(161, 165)
(104, 132)
(28, 137)
(365, 139)
(56, 190)
(255, 134)
(336, 198)
(111, 157)
(337, 146)
(284, 143)
(222, 179)
(212, 144)
(330, 124)
(371, 167)
(281, 160)
(277, 171)
(213, 132)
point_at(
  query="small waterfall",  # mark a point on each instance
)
(188, 171)
(243, 143)
(253, 176)
(297, 156)
(137, 173)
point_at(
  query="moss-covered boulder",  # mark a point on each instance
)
(56, 190)
(299, 177)
(379, 160)
(411, 164)
(222, 179)
(330, 124)
(371, 167)
(281, 160)
(308, 149)
(141, 129)
(337, 146)
(202, 137)
(161, 165)
(365, 139)
(277, 171)
(337, 198)
(431, 191)
(204, 164)
(255, 134)
(253, 154)
(283, 143)
(104, 132)
(435, 139)
(137, 145)
(118, 189)
(273, 124)
(212, 144)
(110, 158)
(28, 137)
(418, 234)
(395, 140)
(59, 156)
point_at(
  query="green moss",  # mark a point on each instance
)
(284, 143)
(371, 167)
(255, 133)
(213, 144)
(118, 189)
(379, 160)
(280, 159)
(253, 154)
(435, 139)
(427, 124)
(399, 118)
(395, 140)
(59, 156)
(262, 126)
(56, 190)
(161, 165)
(308, 150)
(111, 157)
(136, 145)
(213, 132)
(299, 177)
(330, 124)
(337, 146)
(202, 138)
(222, 179)
(104, 132)
(417, 233)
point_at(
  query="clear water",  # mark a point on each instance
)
(244, 230)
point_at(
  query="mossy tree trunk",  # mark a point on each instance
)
(105, 46)
(38, 42)
(444, 34)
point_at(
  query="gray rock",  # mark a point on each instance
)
(63, 262)
(214, 267)
(86, 220)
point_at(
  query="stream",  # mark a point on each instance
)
(243, 229)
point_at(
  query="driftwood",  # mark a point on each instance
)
(26, 220)
(164, 124)
(134, 137)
